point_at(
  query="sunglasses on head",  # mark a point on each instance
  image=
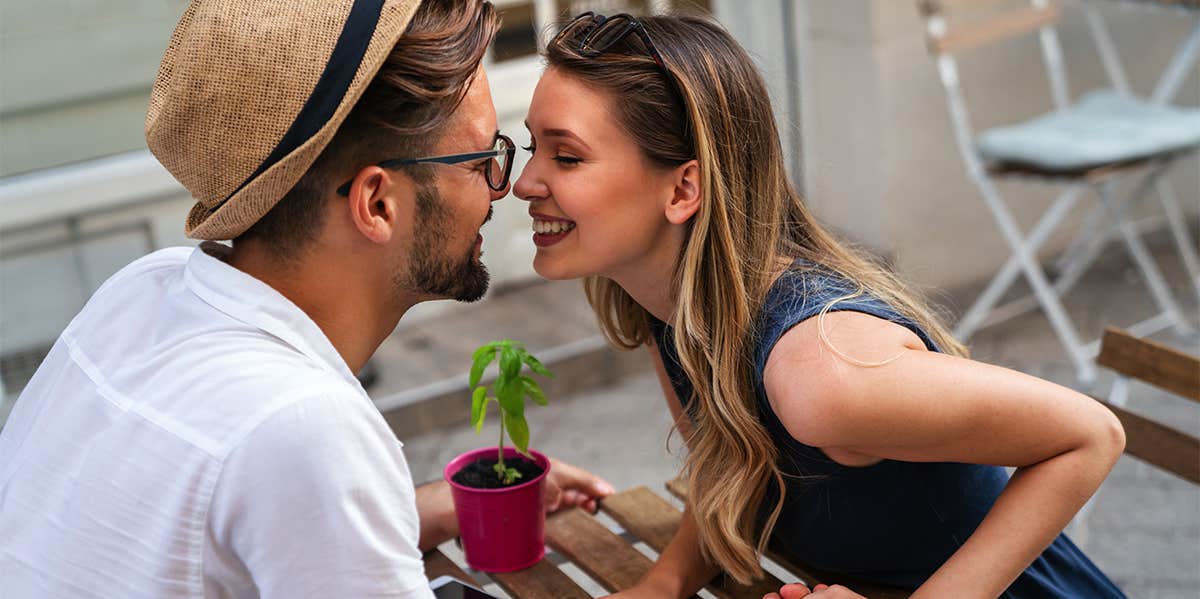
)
(598, 33)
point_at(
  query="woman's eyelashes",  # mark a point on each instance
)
(560, 158)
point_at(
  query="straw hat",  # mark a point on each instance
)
(250, 91)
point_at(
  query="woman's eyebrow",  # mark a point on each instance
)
(558, 132)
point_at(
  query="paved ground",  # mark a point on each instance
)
(1144, 530)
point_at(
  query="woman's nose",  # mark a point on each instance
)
(526, 187)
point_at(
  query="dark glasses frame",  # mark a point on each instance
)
(506, 149)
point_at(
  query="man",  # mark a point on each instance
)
(197, 429)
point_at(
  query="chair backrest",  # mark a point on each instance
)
(991, 24)
(952, 26)
(1164, 367)
(1168, 369)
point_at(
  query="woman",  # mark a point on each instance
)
(824, 406)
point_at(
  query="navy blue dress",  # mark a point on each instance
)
(895, 522)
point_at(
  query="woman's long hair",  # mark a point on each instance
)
(750, 226)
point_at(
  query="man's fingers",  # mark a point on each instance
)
(794, 591)
(570, 477)
(552, 496)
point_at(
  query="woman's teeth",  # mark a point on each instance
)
(551, 227)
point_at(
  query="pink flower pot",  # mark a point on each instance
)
(501, 529)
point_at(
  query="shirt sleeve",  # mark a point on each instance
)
(317, 501)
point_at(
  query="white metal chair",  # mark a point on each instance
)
(1088, 144)
(1173, 76)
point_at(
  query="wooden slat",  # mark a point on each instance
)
(437, 564)
(645, 515)
(679, 488)
(995, 29)
(652, 520)
(543, 581)
(606, 557)
(944, 6)
(1152, 362)
(1160, 445)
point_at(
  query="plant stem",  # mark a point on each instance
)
(500, 448)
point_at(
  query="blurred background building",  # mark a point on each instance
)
(863, 119)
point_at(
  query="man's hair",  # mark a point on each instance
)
(402, 113)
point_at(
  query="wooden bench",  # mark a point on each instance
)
(612, 560)
(1168, 369)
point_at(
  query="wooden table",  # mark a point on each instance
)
(611, 559)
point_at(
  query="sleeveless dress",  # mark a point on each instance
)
(895, 522)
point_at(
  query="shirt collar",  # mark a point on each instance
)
(251, 301)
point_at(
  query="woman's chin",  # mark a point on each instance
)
(548, 269)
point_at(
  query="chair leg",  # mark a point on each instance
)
(977, 313)
(1177, 72)
(1141, 257)
(1118, 394)
(1183, 239)
(1024, 254)
(1093, 226)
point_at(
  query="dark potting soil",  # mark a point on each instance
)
(480, 474)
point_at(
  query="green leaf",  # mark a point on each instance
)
(479, 362)
(518, 431)
(506, 475)
(510, 363)
(510, 393)
(533, 391)
(536, 365)
(510, 475)
(478, 407)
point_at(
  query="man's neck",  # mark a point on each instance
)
(354, 315)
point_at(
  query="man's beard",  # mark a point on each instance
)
(430, 271)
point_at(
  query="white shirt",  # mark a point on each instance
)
(193, 433)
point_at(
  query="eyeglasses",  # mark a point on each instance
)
(499, 168)
(599, 33)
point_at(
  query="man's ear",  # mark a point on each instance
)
(686, 199)
(373, 202)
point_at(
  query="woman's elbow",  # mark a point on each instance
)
(1109, 435)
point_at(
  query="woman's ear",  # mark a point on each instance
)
(372, 204)
(686, 199)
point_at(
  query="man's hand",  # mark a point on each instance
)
(568, 486)
(821, 591)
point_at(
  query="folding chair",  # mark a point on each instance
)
(1171, 450)
(1084, 145)
(1182, 62)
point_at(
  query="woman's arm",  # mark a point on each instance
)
(924, 407)
(681, 569)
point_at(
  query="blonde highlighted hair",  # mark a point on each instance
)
(751, 225)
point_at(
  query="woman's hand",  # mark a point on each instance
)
(568, 486)
(821, 591)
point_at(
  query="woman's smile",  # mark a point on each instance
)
(549, 230)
